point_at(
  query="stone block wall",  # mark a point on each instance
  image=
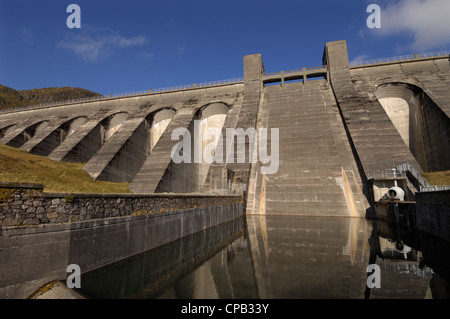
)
(27, 204)
(21, 204)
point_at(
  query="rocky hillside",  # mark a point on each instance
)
(10, 98)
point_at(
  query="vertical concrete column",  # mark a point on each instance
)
(376, 141)
(247, 117)
(253, 67)
(336, 55)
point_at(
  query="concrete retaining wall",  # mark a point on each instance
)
(433, 213)
(32, 255)
(27, 204)
(430, 213)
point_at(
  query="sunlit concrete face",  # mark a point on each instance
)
(212, 118)
(398, 111)
(419, 122)
(114, 123)
(402, 107)
(159, 124)
(75, 125)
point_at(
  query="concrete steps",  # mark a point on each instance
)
(314, 154)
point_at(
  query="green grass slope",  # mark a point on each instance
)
(438, 178)
(58, 177)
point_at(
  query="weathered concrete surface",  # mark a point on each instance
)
(317, 173)
(424, 85)
(376, 140)
(34, 255)
(433, 213)
(332, 130)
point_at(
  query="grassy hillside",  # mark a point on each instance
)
(10, 98)
(438, 178)
(61, 177)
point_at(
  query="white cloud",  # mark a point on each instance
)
(94, 44)
(85, 47)
(427, 21)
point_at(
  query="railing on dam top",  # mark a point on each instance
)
(134, 93)
(228, 81)
(401, 58)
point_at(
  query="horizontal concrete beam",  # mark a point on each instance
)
(294, 75)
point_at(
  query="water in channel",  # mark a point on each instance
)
(272, 257)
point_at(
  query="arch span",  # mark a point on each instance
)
(423, 126)
(212, 117)
(159, 120)
(203, 135)
(91, 136)
(27, 134)
(120, 159)
(53, 139)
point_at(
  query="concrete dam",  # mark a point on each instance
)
(329, 129)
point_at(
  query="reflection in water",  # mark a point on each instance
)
(147, 275)
(416, 263)
(310, 257)
(283, 257)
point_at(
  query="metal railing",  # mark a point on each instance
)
(134, 93)
(434, 188)
(403, 168)
(387, 173)
(401, 58)
(400, 171)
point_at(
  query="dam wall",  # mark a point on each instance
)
(34, 254)
(329, 129)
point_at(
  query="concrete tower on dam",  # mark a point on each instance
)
(326, 130)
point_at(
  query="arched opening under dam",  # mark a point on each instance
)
(158, 124)
(142, 138)
(212, 119)
(110, 125)
(423, 126)
(98, 132)
(27, 134)
(55, 138)
(200, 140)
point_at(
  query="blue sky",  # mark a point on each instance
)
(133, 45)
